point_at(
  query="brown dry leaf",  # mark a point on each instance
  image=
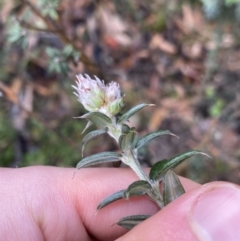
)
(130, 61)
(11, 92)
(188, 17)
(114, 27)
(193, 51)
(190, 72)
(158, 42)
(189, 69)
(16, 86)
(6, 9)
(192, 20)
(179, 90)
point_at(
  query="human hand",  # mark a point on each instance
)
(46, 203)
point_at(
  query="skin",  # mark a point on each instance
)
(48, 203)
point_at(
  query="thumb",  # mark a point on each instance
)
(207, 213)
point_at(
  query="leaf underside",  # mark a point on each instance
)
(137, 188)
(172, 187)
(91, 135)
(131, 112)
(112, 198)
(149, 137)
(97, 118)
(131, 221)
(98, 158)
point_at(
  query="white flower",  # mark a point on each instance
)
(90, 93)
(113, 91)
(96, 96)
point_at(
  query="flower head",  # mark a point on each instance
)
(96, 96)
(113, 91)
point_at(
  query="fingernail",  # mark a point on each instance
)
(216, 215)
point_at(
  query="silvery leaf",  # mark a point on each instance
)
(137, 188)
(97, 118)
(131, 221)
(98, 158)
(112, 198)
(131, 112)
(149, 137)
(91, 135)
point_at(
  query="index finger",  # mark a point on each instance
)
(101, 182)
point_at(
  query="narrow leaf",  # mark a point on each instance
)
(112, 198)
(131, 112)
(172, 187)
(87, 126)
(137, 188)
(160, 168)
(149, 137)
(98, 158)
(91, 135)
(127, 141)
(97, 118)
(131, 221)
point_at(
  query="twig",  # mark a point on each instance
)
(35, 28)
(61, 34)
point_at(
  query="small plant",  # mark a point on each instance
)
(105, 105)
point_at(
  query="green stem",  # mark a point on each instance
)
(130, 158)
(115, 132)
(139, 171)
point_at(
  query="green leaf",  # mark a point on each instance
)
(231, 2)
(149, 137)
(97, 118)
(112, 198)
(68, 50)
(172, 187)
(160, 168)
(91, 135)
(131, 112)
(131, 221)
(98, 158)
(125, 128)
(52, 52)
(137, 188)
(128, 140)
(156, 170)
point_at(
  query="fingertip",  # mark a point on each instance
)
(207, 213)
(216, 213)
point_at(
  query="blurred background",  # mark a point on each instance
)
(183, 56)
